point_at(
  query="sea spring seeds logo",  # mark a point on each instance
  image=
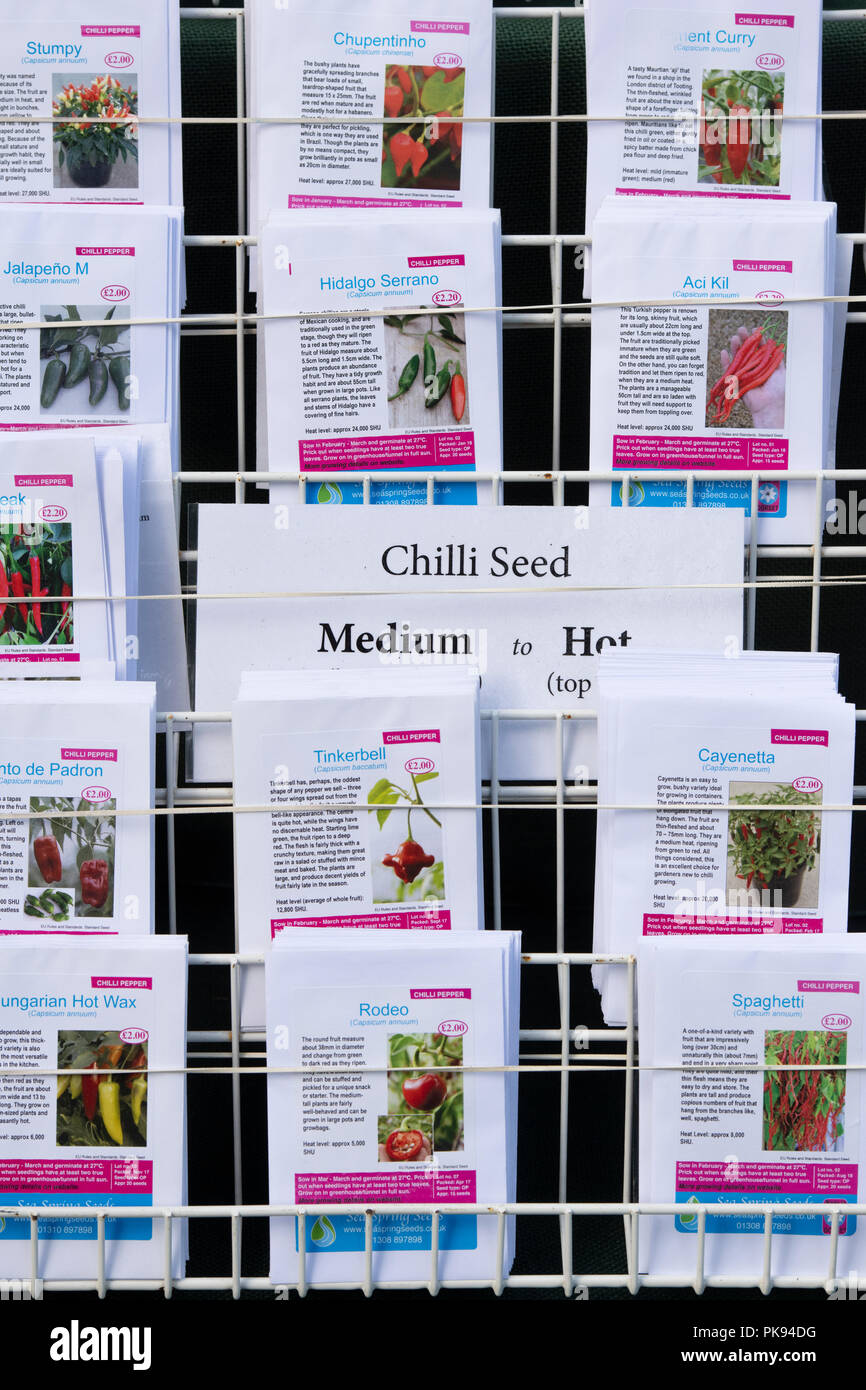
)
(323, 1234)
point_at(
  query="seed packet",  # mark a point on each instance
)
(751, 1094)
(77, 761)
(726, 389)
(723, 784)
(409, 77)
(389, 1029)
(379, 784)
(413, 386)
(73, 64)
(75, 283)
(93, 1055)
(715, 88)
(102, 523)
(155, 637)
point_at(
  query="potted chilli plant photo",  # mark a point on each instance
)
(88, 152)
(773, 850)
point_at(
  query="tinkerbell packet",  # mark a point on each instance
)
(374, 779)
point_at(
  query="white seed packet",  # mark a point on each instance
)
(123, 62)
(728, 780)
(751, 1093)
(114, 1140)
(715, 87)
(413, 387)
(390, 61)
(77, 761)
(397, 1023)
(739, 387)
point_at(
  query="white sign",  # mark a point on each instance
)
(530, 595)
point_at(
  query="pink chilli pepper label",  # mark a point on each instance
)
(440, 994)
(121, 982)
(411, 736)
(111, 31)
(430, 262)
(772, 21)
(43, 479)
(438, 26)
(105, 250)
(828, 986)
(762, 267)
(97, 755)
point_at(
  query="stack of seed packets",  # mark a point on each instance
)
(85, 72)
(93, 1052)
(409, 76)
(388, 1054)
(741, 385)
(716, 89)
(92, 296)
(751, 1094)
(745, 384)
(90, 517)
(714, 776)
(375, 779)
(77, 761)
(380, 351)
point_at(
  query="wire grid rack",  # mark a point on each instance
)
(563, 1052)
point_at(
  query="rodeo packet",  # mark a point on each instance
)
(392, 1060)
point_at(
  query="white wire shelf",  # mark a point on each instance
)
(559, 1047)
